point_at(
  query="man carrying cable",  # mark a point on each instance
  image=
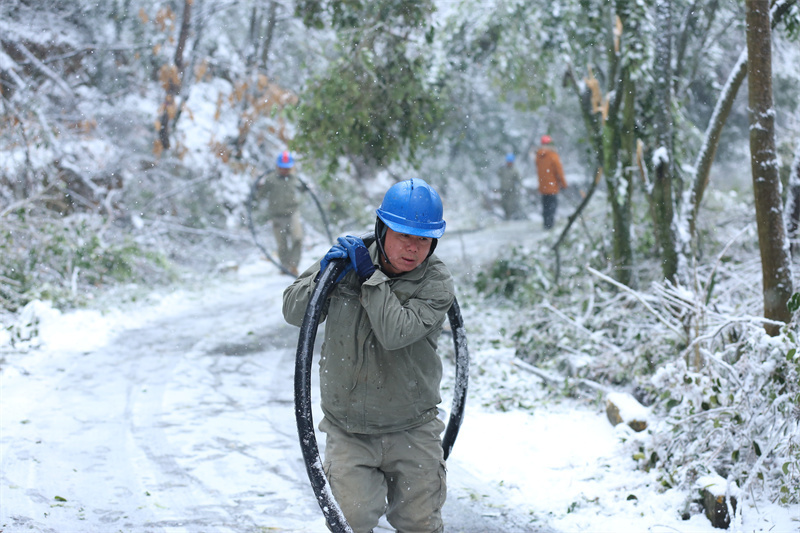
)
(380, 373)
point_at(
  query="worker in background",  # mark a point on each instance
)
(510, 188)
(551, 179)
(283, 209)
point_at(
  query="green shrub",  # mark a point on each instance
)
(737, 417)
(63, 260)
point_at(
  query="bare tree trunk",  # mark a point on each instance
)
(197, 30)
(662, 197)
(121, 13)
(172, 79)
(689, 29)
(793, 203)
(257, 74)
(270, 32)
(612, 148)
(252, 36)
(183, 36)
(620, 180)
(775, 262)
(593, 129)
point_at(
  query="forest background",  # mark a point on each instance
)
(133, 130)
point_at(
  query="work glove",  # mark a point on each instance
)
(359, 256)
(337, 251)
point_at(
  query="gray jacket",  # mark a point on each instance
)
(281, 193)
(379, 370)
(510, 180)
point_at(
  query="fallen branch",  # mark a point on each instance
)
(586, 384)
(571, 219)
(581, 328)
(21, 203)
(44, 69)
(636, 295)
(229, 236)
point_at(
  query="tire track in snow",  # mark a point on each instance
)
(185, 424)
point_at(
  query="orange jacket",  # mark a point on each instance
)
(551, 174)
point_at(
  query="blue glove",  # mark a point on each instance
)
(336, 252)
(359, 256)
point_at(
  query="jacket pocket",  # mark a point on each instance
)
(344, 305)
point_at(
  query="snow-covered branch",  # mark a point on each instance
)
(44, 69)
(674, 328)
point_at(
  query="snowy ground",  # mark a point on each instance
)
(175, 414)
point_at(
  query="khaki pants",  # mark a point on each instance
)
(510, 203)
(289, 238)
(402, 474)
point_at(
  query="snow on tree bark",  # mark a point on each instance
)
(775, 263)
(662, 198)
(705, 158)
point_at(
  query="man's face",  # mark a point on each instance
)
(405, 252)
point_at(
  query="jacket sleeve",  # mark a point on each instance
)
(559, 171)
(262, 189)
(399, 324)
(297, 295)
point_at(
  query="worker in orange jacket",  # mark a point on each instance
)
(551, 179)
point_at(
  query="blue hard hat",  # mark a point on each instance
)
(285, 159)
(413, 207)
(509, 158)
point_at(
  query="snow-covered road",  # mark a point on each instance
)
(183, 422)
(174, 413)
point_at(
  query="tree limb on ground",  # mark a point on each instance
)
(557, 380)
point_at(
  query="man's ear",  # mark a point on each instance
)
(380, 239)
(434, 242)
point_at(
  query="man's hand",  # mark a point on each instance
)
(359, 256)
(337, 251)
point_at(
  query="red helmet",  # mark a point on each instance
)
(546, 139)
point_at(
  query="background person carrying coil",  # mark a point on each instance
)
(283, 208)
